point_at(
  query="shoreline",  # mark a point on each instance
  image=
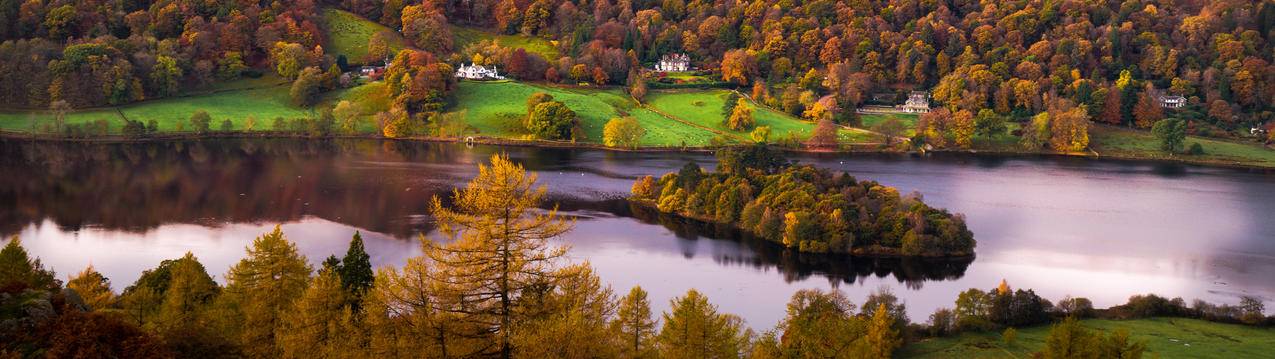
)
(493, 141)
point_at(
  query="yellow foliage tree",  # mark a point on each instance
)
(93, 288)
(500, 249)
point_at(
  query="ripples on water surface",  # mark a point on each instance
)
(1098, 229)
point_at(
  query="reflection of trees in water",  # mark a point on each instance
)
(794, 265)
(139, 186)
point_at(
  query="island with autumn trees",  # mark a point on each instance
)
(806, 208)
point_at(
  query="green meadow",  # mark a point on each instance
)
(496, 109)
(1165, 338)
(467, 35)
(348, 34)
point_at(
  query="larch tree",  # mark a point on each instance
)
(184, 319)
(634, 325)
(501, 248)
(694, 329)
(264, 285)
(93, 287)
(741, 117)
(569, 319)
(320, 325)
(882, 339)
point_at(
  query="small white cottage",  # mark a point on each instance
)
(674, 63)
(478, 72)
(1172, 101)
(918, 102)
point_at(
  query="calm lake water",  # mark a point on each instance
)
(1098, 229)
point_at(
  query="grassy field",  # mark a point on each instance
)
(1166, 337)
(704, 108)
(1123, 142)
(468, 35)
(348, 34)
(496, 109)
(262, 103)
(908, 120)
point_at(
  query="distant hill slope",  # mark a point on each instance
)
(348, 34)
(468, 35)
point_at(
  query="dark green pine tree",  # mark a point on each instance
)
(332, 264)
(17, 268)
(356, 270)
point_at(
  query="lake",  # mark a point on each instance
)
(1099, 229)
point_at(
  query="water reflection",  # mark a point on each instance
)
(1063, 226)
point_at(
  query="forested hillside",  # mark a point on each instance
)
(1015, 57)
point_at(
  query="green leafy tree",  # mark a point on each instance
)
(552, 121)
(623, 132)
(820, 325)
(536, 99)
(200, 121)
(263, 286)
(890, 129)
(694, 329)
(1171, 132)
(288, 58)
(1068, 340)
(165, 76)
(305, 89)
(988, 123)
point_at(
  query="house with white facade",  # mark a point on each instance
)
(1172, 101)
(478, 72)
(674, 63)
(918, 102)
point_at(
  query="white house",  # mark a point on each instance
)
(478, 72)
(1172, 101)
(918, 102)
(673, 63)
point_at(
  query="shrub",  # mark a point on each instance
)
(200, 121)
(134, 128)
(227, 126)
(1195, 149)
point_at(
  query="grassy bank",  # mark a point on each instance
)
(348, 34)
(1166, 337)
(1127, 143)
(263, 104)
